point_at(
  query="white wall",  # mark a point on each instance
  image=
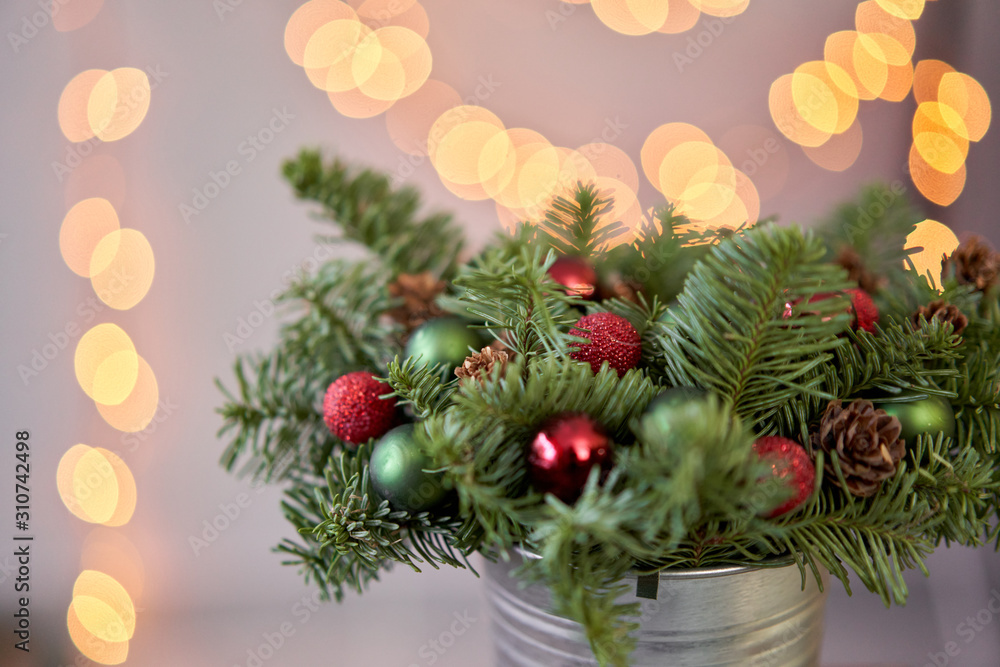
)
(223, 78)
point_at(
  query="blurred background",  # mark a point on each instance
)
(224, 96)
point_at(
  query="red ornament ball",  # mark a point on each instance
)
(353, 410)
(863, 308)
(865, 311)
(612, 339)
(791, 463)
(576, 274)
(563, 452)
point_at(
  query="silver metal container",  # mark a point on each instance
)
(720, 616)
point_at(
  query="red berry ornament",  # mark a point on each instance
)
(576, 274)
(863, 308)
(791, 463)
(612, 339)
(564, 451)
(353, 410)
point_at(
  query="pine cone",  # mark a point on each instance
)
(480, 365)
(975, 263)
(849, 258)
(943, 311)
(865, 440)
(418, 292)
(617, 287)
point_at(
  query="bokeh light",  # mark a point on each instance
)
(96, 486)
(365, 59)
(108, 550)
(106, 364)
(90, 646)
(409, 121)
(138, 409)
(82, 230)
(73, 101)
(118, 103)
(74, 14)
(953, 110)
(840, 152)
(101, 618)
(122, 268)
(928, 244)
(698, 178)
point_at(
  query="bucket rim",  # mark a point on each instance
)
(768, 563)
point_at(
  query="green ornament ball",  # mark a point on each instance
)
(397, 472)
(444, 340)
(667, 402)
(677, 410)
(931, 415)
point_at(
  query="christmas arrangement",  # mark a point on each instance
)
(618, 399)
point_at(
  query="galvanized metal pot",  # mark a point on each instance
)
(719, 616)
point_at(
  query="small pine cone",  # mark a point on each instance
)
(849, 258)
(943, 311)
(480, 365)
(617, 287)
(974, 263)
(418, 292)
(865, 440)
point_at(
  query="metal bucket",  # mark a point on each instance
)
(736, 616)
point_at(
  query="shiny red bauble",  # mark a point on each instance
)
(577, 275)
(564, 451)
(790, 463)
(612, 339)
(353, 410)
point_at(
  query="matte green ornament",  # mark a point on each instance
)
(397, 472)
(931, 415)
(676, 409)
(444, 340)
(666, 402)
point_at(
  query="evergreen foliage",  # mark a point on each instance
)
(735, 313)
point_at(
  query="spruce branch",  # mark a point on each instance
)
(578, 226)
(518, 301)
(732, 332)
(419, 386)
(273, 419)
(369, 210)
(349, 535)
(875, 226)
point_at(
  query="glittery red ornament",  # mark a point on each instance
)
(612, 339)
(863, 308)
(791, 463)
(865, 311)
(576, 274)
(563, 452)
(353, 410)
